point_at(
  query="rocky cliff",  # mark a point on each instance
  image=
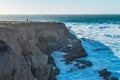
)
(25, 49)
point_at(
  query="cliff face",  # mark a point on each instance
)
(25, 49)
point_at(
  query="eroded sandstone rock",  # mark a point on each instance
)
(13, 66)
(25, 54)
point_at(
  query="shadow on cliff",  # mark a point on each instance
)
(13, 66)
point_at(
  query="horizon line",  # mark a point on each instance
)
(62, 14)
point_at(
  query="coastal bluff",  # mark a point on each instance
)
(26, 47)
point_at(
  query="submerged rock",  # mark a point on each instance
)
(107, 75)
(82, 64)
(87, 63)
(114, 78)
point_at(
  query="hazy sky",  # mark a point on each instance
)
(59, 6)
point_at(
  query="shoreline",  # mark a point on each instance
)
(32, 43)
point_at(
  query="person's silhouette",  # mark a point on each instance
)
(27, 20)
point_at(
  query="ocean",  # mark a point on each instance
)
(65, 18)
(102, 34)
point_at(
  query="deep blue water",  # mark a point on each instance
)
(65, 18)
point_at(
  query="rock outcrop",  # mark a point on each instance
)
(25, 49)
(107, 75)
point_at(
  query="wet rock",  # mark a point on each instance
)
(114, 78)
(55, 71)
(82, 67)
(83, 39)
(77, 65)
(107, 75)
(68, 62)
(82, 64)
(76, 51)
(87, 63)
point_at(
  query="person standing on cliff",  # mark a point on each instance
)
(27, 20)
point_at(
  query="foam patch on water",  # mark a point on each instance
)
(108, 34)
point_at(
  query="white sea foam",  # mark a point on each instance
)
(108, 34)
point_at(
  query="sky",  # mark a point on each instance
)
(59, 6)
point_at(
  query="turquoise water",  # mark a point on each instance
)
(101, 31)
(65, 18)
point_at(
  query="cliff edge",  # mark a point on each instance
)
(25, 49)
